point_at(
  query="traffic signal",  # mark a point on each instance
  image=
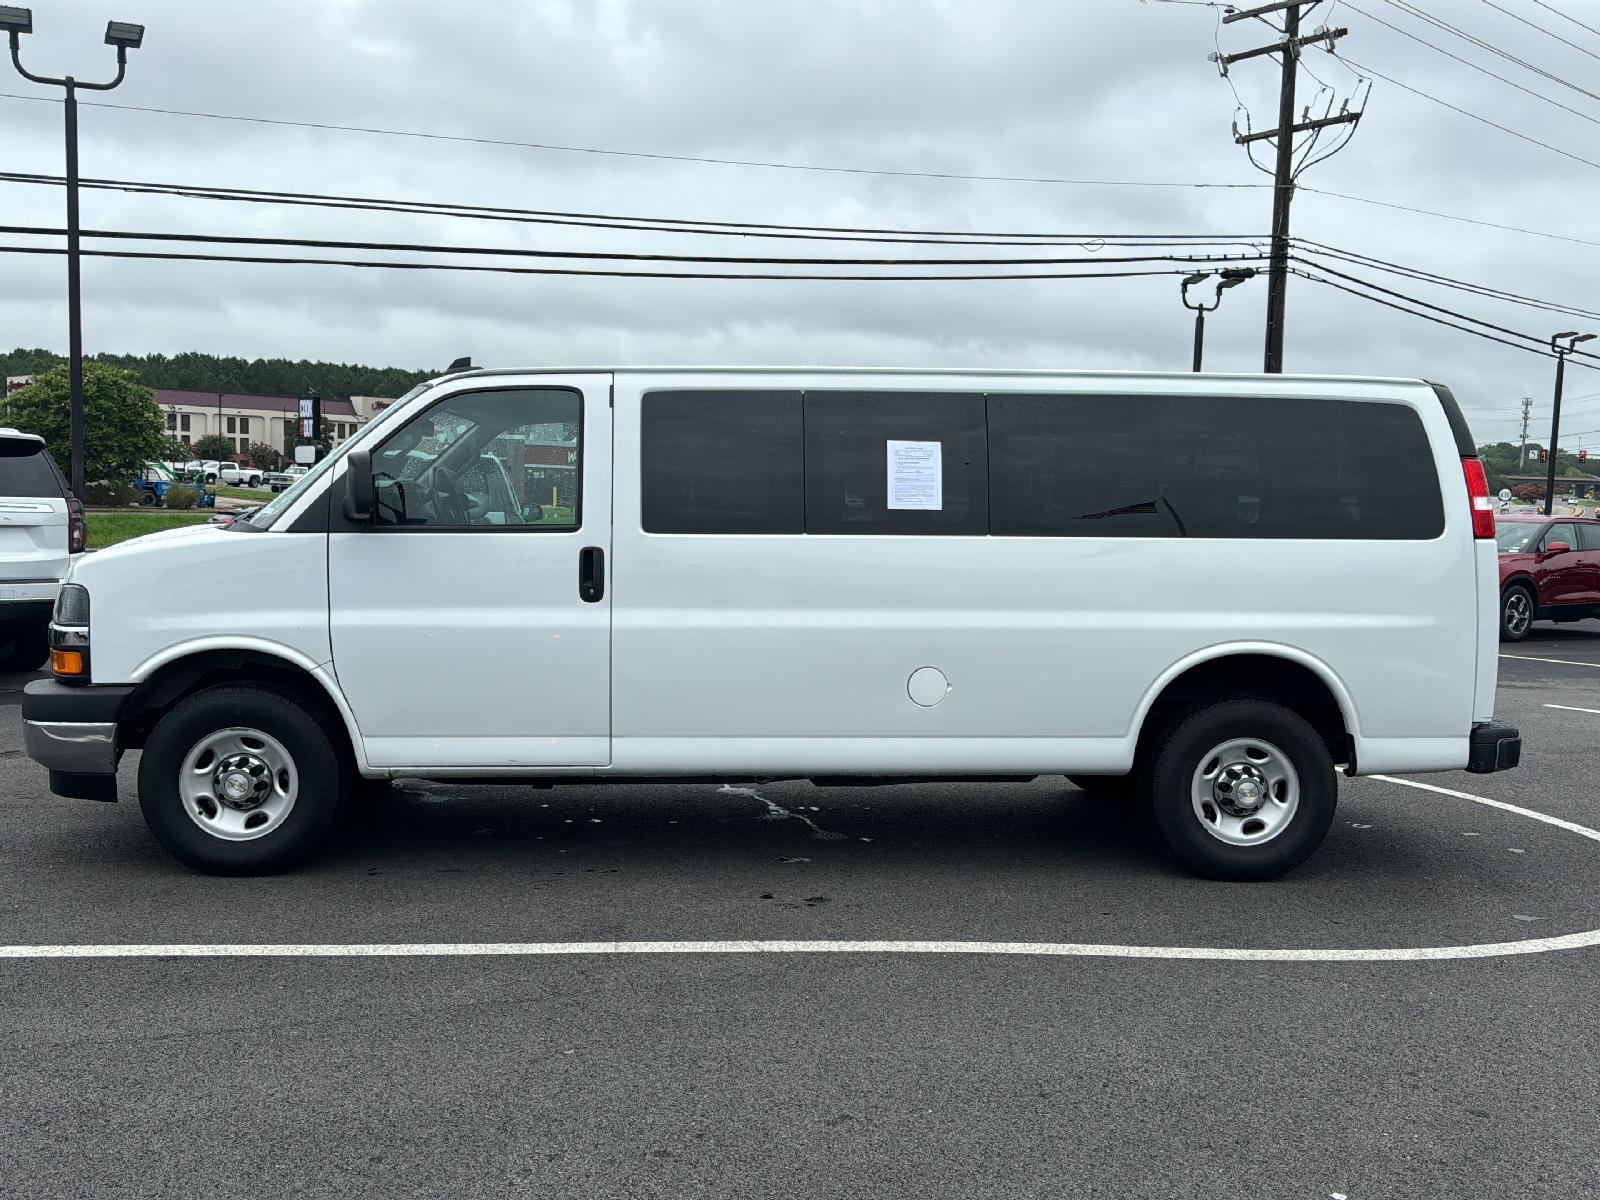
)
(1544, 456)
(1583, 456)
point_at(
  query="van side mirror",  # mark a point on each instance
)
(358, 489)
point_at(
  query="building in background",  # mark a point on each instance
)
(245, 419)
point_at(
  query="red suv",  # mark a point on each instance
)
(1549, 571)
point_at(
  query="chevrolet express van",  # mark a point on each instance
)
(1208, 593)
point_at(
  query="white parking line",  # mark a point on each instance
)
(1573, 708)
(1570, 941)
(1565, 662)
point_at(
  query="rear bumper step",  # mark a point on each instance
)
(1493, 746)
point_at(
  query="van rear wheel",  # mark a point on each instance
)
(1242, 790)
(241, 780)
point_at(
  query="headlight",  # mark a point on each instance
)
(69, 634)
(72, 605)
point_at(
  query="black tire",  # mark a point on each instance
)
(1170, 774)
(321, 767)
(1517, 610)
(147, 497)
(1106, 787)
(29, 648)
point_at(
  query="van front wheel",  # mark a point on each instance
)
(1242, 790)
(240, 780)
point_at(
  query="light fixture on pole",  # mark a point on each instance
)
(1229, 277)
(15, 22)
(1570, 340)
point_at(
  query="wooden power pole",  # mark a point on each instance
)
(1283, 137)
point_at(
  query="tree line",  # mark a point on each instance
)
(218, 373)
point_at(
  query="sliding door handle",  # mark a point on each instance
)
(591, 574)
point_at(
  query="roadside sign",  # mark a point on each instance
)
(305, 454)
(1505, 493)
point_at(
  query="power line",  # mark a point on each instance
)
(1444, 216)
(1563, 16)
(728, 228)
(600, 255)
(482, 268)
(1482, 70)
(1425, 276)
(1455, 108)
(594, 150)
(1305, 274)
(1367, 283)
(1411, 9)
(586, 220)
(1547, 32)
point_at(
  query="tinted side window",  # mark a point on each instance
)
(26, 469)
(896, 462)
(1564, 532)
(1589, 535)
(1224, 467)
(721, 462)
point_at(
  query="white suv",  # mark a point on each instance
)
(41, 528)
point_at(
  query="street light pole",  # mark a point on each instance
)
(1561, 351)
(124, 36)
(1231, 277)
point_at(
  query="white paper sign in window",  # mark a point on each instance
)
(916, 475)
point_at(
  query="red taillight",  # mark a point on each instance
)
(77, 527)
(1478, 496)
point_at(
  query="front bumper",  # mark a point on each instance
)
(1493, 746)
(72, 732)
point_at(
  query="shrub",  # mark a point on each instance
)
(109, 495)
(182, 497)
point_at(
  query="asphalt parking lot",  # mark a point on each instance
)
(875, 1073)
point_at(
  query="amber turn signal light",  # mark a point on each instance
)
(66, 662)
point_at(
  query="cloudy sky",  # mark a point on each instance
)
(1116, 91)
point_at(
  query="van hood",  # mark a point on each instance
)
(147, 550)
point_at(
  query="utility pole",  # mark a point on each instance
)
(1522, 452)
(1561, 351)
(1283, 175)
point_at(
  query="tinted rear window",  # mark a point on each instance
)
(26, 469)
(1589, 535)
(928, 446)
(1220, 467)
(722, 462)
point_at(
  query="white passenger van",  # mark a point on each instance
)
(1205, 592)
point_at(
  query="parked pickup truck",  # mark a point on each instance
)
(280, 481)
(239, 475)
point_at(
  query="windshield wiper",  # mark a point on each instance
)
(1146, 508)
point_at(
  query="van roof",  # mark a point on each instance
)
(1013, 372)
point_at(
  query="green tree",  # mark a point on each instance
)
(175, 449)
(213, 373)
(263, 455)
(214, 445)
(122, 424)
